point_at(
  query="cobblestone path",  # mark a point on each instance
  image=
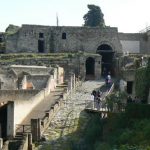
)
(69, 122)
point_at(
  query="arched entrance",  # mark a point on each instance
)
(107, 54)
(90, 66)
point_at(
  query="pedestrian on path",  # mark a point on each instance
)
(98, 103)
(92, 100)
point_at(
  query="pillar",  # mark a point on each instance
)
(70, 83)
(36, 129)
(29, 141)
(10, 120)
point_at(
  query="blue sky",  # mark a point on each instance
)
(127, 15)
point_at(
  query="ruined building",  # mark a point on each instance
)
(21, 89)
(107, 42)
(96, 49)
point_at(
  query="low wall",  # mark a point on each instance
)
(12, 95)
(26, 142)
(39, 81)
(5, 146)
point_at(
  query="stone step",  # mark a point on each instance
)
(18, 136)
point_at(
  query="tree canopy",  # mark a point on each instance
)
(94, 17)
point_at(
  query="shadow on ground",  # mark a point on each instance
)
(88, 132)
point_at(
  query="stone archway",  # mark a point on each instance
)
(107, 53)
(90, 67)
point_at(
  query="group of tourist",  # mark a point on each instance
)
(96, 97)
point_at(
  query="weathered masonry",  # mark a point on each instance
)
(21, 89)
(48, 39)
(107, 42)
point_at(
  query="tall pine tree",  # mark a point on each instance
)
(94, 17)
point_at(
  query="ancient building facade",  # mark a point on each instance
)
(107, 42)
(45, 39)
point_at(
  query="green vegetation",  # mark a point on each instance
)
(11, 29)
(142, 82)
(129, 130)
(14, 57)
(32, 56)
(94, 17)
(120, 131)
(126, 131)
(116, 99)
(2, 46)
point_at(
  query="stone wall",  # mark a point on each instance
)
(8, 81)
(20, 113)
(77, 39)
(38, 81)
(140, 38)
(75, 63)
(14, 95)
(33, 70)
(23, 101)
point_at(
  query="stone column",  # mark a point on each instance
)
(10, 120)
(29, 141)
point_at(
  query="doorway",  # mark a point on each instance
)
(107, 54)
(41, 46)
(3, 121)
(129, 87)
(90, 66)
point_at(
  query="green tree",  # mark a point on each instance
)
(94, 17)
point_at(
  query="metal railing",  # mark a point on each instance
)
(102, 105)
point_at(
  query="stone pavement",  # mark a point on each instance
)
(66, 121)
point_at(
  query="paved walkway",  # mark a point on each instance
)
(66, 121)
(39, 110)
